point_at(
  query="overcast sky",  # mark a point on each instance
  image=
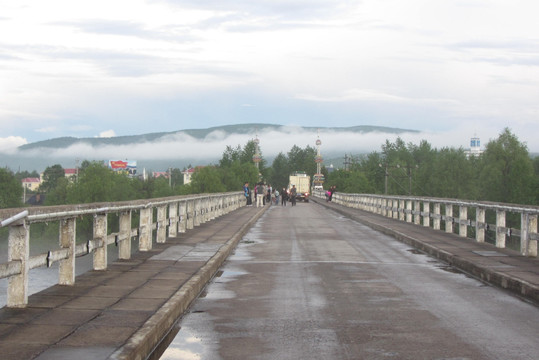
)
(450, 68)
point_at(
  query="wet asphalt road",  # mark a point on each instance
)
(341, 290)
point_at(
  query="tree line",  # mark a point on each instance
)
(505, 172)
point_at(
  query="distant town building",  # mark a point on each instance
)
(187, 174)
(157, 174)
(71, 174)
(330, 168)
(31, 184)
(475, 147)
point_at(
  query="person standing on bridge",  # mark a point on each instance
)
(260, 195)
(284, 197)
(247, 193)
(293, 193)
(331, 191)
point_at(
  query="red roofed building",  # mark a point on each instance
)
(31, 183)
(71, 173)
(157, 174)
(188, 174)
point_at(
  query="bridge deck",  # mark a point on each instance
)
(504, 268)
(120, 312)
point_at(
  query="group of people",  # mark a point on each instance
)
(266, 194)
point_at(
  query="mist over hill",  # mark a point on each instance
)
(179, 149)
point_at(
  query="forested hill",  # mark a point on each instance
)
(64, 142)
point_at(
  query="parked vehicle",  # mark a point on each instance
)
(302, 181)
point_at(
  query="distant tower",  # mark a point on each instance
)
(318, 178)
(318, 158)
(475, 147)
(257, 157)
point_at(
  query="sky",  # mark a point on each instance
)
(451, 69)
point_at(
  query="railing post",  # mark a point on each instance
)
(500, 229)
(528, 246)
(402, 206)
(145, 232)
(124, 237)
(463, 221)
(409, 211)
(426, 214)
(19, 250)
(480, 224)
(206, 204)
(161, 235)
(190, 214)
(220, 208)
(197, 212)
(417, 212)
(100, 241)
(532, 229)
(66, 267)
(173, 219)
(183, 216)
(436, 219)
(448, 218)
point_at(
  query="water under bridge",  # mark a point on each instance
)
(319, 280)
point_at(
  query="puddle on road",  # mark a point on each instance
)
(185, 346)
(450, 269)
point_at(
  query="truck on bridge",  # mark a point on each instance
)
(302, 182)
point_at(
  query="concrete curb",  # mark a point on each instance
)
(519, 287)
(141, 344)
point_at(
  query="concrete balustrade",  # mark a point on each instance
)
(174, 215)
(417, 210)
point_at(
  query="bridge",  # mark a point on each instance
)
(122, 310)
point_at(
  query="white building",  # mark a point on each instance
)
(475, 147)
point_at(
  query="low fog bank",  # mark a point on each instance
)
(181, 150)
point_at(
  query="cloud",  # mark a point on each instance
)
(289, 9)
(9, 144)
(107, 134)
(47, 129)
(372, 95)
(129, 29)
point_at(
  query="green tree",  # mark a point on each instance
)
(97, 183)
(231, 155)
(302, 159)
(350, 181)
(159, 187)
(10, 190)
(453, 175)
(58, 195)
(51, 176)
(281, 171)
(507, 173)
(372, 166)
(176, 177)
(26, 174)
(207, 180)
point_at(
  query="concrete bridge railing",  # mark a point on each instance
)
(456, 216)
(173, 215)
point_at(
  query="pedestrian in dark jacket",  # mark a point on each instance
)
(284, 197)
